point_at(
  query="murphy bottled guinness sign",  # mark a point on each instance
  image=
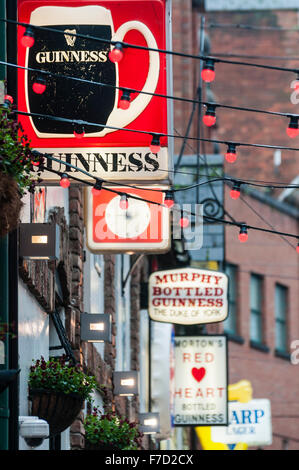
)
(85, 84)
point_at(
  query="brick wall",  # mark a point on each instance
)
(276, 261)
(239, 86)
(101, 367)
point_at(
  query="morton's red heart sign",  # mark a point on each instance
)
(200, 396)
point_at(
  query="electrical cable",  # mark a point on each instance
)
(154, 133)
(159, 95)
(162, 51)
(209, 218)
(250, 27)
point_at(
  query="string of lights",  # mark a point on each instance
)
(250, 27)
(234, 181)
(230, 155)
(209, 119)
(235, 194)
(119, 45)
(243, 235)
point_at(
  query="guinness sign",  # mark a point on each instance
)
(117, 164)
(73, 51)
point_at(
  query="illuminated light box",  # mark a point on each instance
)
(39, 241)
(125, 383)
(149, 423)
(96, 327)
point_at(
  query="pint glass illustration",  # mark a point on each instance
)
(68, 54)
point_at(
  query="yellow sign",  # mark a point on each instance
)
(240, 391)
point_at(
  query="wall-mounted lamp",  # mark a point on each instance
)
(149, 423)
(125, 383)
(39, 241)
(95, 327)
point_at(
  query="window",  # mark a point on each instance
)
(256, 320)
(230, 324)
(281, 294)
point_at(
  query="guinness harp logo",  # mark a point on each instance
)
(70, 40)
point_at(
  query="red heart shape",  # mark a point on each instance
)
(198, 374)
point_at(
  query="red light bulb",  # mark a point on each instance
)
(168, 201)
(184, 222)
(155, 146)
(124, 104)
(231, 154)
(243, 235)
(208, 72)
(96, 190)
(39, 86)
(293, 128)
(28, 38)
(8, 98)
(235, 191)
(125, 99)
(209, 120)
(79, 135)
(292, 133)
(64, 182)
(297, 248)
(124, 203)
(34, 163)
(116, 54)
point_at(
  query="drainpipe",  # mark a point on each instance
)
(4, 405)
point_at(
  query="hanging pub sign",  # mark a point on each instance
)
(248, 422)
(85, 80)
(123, 220)
(188, 296)
(201, 397)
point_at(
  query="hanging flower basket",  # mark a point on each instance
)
(10, 204)
(110, 432)
(57, 390)
(16, 165)
(59, 409)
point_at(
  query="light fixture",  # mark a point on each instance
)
(184, 221)
(79, 132)
(39, 241)
(293, 128)
(208, 72)
(64, 181)
(155, 146)
(243, 235)
(209, 118)
(124, 102)
(95, 327)
(124, 203)
(231, 154)
(8, 101)
(28, 37)
(149, 423)
(168, 199)
(125, 383)
(39, 85)
(117, 53)
(97, 188)
(235, 191)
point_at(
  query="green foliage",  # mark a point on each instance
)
(109, 428)
(59, 375)
(15, 153)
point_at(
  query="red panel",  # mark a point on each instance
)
(132, 73)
